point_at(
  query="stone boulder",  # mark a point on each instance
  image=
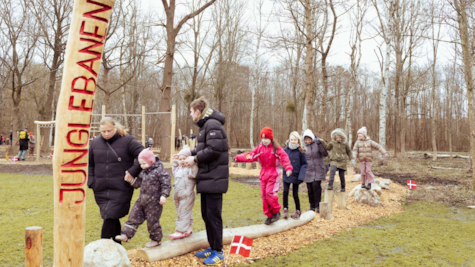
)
(383, 183)
(105, 253)
(356, 178)
(370, 197)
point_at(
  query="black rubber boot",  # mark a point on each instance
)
(368, 186)
(330, 185)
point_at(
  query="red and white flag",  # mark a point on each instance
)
(14, 159)
(241, 245)
(411, 184)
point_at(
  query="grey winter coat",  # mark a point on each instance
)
(315, 154)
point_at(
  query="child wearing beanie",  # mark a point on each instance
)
(183, 193)
(270, 155)
(155, 186)
(363, 151)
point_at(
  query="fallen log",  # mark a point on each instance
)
(196, 241)
(443, 168)
(428, 156)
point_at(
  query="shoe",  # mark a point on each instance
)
(178, 235)
(286, 214)
(214, 258)
(342, 189)
(296, 214)
(203, 254)
(121, 238)
(275, 217)
(330, 186)
(363, 186)
(368, 187)
(317, 210)
(268, 221)
(152, 243)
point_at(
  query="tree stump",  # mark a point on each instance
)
(325, 210)
(33, 246)
(341, 200)
(329, 194)
(240, 165)
(248, 166)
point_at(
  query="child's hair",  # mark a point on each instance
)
(299, 139)
(199, 104)
(275, 145)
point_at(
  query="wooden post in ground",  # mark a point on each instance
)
(248, 166)
(172, 141)
(38, 143)
(33, 246)
(82, 62)
(329, 194)
(103, 114)
(143, 126)
(341, 200)
(325, 211)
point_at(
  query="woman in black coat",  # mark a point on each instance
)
(112, 159)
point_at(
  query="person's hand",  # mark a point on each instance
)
(288, 173)
(318, 141)
(128, 178)
(190, 161)
(163, 200)
(353, 162)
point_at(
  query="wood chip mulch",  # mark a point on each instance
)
(286, 242)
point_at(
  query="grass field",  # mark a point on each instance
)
(28, 201)
(424, 235)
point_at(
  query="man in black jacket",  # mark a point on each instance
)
(211, 155)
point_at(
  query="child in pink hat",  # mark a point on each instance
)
(184, 193)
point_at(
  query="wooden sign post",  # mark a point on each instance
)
(82, 61)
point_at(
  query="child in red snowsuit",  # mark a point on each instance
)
(270, 155)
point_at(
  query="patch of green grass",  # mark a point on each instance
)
(425, 234)
(28, 201)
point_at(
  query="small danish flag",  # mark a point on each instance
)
(14, 159)
(241, 245)
(411, 184)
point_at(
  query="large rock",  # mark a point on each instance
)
(370, 197)
(383, 183)
(105, 253)
(356, 178)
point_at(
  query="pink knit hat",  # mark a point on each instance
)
(185, 151)
(148, 156)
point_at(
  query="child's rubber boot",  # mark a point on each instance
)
(275, 217)
(368, 187)
(330, 185)
(268, 221)
(152, 243)
(286, 214)
(296, 214)
(121, 238)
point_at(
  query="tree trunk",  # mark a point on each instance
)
(384, 95)
(308, 65)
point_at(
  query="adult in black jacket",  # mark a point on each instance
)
(107, 175)
(211, 155)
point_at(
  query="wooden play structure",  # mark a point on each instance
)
(39, 138)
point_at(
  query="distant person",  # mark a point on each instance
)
(112, 158)
(32, 143)
(2, 140)
(11, 137)
(177, 143)
(23, 140)
(150, 142)
(363, 150)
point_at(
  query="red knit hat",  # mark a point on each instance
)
(267, 133)
(148, 156)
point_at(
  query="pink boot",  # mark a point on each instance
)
(178, 235)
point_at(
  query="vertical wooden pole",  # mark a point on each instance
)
(329, 195)
(172, 141)
(143, 125)
(33, 246)
(103, 114)
(325, 211)
(38, 142)
(341, 200)
(82, 62)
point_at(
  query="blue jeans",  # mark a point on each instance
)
(22, 154)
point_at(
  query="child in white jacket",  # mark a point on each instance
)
(183, 193)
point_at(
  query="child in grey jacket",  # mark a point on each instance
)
(184, 193)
